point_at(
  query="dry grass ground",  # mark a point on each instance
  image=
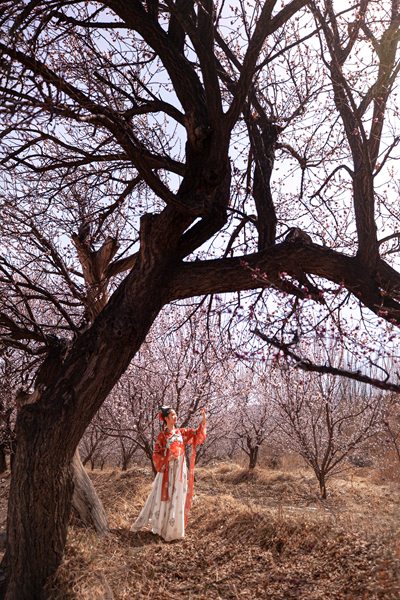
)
(260, 535)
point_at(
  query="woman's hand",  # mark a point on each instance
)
(172, 457)
(203, 414)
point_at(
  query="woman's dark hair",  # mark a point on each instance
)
(164, 412)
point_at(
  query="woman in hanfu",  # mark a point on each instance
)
(168, 505)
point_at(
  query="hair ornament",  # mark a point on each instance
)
(164, 411)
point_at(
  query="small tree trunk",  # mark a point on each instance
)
(253, 457)
(322, 485)
(13, 449)
(149, 453)
(3, 462)
(88, 458)
(85, 499)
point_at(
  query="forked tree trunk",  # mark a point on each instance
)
(41, 493)
(49, 430)
(85, 499)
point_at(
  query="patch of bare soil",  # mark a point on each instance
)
(266, 534)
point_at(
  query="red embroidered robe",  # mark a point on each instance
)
(162, 453)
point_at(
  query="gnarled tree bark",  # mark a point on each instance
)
(85, 499)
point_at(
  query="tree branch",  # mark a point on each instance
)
(306, 365)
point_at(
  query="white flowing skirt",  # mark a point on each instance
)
(166, 518)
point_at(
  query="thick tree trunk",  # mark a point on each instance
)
(85, 499)
(38, 512)
(49, 430)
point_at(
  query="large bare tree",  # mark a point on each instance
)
(133, 135)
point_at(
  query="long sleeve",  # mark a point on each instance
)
(194, 436)
(159, 456)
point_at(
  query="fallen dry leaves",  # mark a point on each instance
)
(260, 535)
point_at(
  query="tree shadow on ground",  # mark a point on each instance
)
(138, 540)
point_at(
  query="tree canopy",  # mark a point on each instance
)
(237, 130)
